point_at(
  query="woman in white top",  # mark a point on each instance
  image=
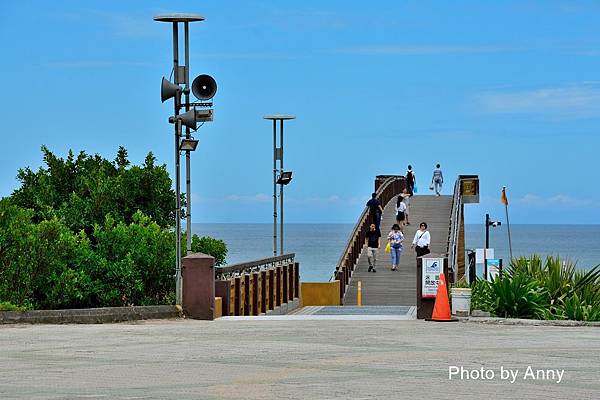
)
(401, 211)
(422, 240)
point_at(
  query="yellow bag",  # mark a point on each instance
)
(388, 248)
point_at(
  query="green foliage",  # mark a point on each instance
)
(87, 232)
(461, 284)
(81, 191)
(531, 288)
(208, 245)
(6, 306)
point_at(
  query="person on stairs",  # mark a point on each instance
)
(375, 210)
(422, 240)
(395, 239)
(373, 236)
(437, 180)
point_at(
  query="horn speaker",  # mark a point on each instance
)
(169, 90)
(204, 87)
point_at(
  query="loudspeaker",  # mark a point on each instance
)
(204, 87)
(168, 90)
(189, 119)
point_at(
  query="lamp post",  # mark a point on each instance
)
(488, 223)
(283, 179)
(182, 76)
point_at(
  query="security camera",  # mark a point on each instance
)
(497, 223)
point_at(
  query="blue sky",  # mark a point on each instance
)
(508, 90)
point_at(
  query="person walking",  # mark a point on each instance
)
(411, 180)
(375, 209)
(401, 209)
(422, 240)
(404, 197)
(437, 180)
(373, 236)
(395, 239)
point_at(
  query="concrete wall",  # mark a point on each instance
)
(320, 293)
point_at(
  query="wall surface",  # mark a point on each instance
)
(320, 293)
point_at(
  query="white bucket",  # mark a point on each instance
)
(461, 301)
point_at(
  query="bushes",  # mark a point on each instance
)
(533, 289)
(88, 232)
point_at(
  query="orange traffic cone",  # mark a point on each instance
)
(441, 308)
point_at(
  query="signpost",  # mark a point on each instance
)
(432, 269)
(494, 268)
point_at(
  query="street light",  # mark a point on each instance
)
(488, 223)
(278, 155)
(189, 119)
(284, 178)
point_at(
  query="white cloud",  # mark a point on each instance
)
(256, 198)
(578, 100)
(556, 200)
(422, 50)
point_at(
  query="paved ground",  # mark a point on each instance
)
(184, 359)
(400, 287)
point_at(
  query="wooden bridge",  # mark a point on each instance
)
(273, 285)
(444, 216)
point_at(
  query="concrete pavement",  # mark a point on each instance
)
(325, 359)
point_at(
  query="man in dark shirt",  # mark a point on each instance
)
(373, 236)
(375, 209)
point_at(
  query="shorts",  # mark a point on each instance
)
(400, 216)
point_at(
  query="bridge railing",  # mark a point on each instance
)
(455, 218)
(258, 287)
(456, 263)
(387, 186)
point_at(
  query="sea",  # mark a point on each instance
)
(318, 247)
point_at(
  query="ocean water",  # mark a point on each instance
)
(319, 246)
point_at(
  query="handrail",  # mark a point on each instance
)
(455, 219)
(388, 187)
(251, 266)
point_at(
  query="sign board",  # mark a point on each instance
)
(479, 257)
(469, 189)
(432, 269)
(494, 266)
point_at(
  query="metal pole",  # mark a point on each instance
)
(188, 178)
(487, 245)
(281, 188)
(487, 231)
(178, 277)
(507, 224)
(274, 188)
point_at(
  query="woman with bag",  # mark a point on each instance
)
(395, 239)
(422, 240)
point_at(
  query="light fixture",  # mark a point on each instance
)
(284, 178)
(188, 145)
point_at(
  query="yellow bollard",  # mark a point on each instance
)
(358, 296)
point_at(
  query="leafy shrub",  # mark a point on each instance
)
(7, 306)
(531, 288)
(87, 232)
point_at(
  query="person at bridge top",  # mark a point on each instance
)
(401, 211)
(422, 240)
(411, 180)
(437, 180)
(375, 209)
(403, 197)
(373, 235)
(395, 239)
